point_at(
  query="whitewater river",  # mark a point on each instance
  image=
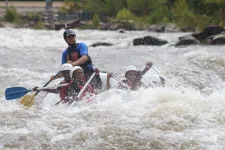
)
(161, 118)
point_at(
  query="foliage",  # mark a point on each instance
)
(125, 14)
(160, 12)
(11, 15)
(95, 20)
(192, 13)
(31, 16)
(39, 25)
(219, 10)
(139, 7)
(182, 16)
(185, 13)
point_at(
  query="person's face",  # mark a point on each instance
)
(70, 39)
(66, 75)
(79, 74)
(132, 75)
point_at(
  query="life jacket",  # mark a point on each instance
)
(79, 86)
(74, 55)
(65, 90)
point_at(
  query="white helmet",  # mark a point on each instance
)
(66, 66)
(130, 68)
(74, 69)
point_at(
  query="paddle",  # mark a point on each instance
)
(82, 90)
(17, 92)
(150, 82)
(125, 85)
(163, 77)
(28, 100)
(182, 90)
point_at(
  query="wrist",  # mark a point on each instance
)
(74, 63)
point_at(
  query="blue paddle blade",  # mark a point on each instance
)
(15, 92)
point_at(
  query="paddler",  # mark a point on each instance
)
(77, 55)
(79, 80)
(133, 77)
(65, 91)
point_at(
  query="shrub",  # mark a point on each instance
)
(95, 20)
(125, 14)
(31, 16)
(39, 25)
(11, 14)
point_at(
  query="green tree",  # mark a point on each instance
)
(212, 10)
(139, 7)
(160, 11)
(95, 20)
(219, 11)
(125, 14)
(114, 6)
(109, 6)
(182, 15)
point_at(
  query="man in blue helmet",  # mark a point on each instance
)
(77, 55)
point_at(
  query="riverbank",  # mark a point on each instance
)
(28, 6)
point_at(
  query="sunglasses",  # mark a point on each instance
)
(71, 36)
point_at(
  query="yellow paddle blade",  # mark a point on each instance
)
(27, 100)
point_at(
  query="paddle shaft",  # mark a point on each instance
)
(163, 76)
(114, 77)
(82, 90)
(152, 84)
(48, 82)
(59, 85)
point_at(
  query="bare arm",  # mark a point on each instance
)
(148, 66)
(55, 91)
(108, 85)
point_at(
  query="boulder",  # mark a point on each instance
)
(208, 31)
(219, 39)
(149, 40)
(169, 28)
(59, 26)
(7, 24)
(116, 25)
(122, 31)
(1, 25)
(69, 25)
(100, 44)
(73, 24)
(187, 40)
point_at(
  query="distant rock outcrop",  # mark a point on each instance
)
(116, 25)
(168, 28)
(163, 28)
(209, 35)
(219, 39)
(208, 31)
(69, 25)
